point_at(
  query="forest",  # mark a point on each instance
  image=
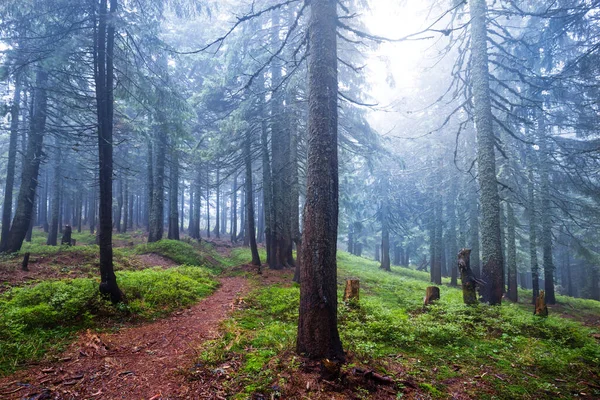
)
(299, 199)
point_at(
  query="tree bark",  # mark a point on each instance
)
(533, 258)
(318, 335)
(10, 165)
(546, 215)
(104, 79)
(467, 277)
(157, 213)
(31, 166)
(385, 238)
(173, 196)
(52, 239)
(492, 273)
(250, 199)
(511, 254)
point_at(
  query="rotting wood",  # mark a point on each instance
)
(540, 305)
(370, 374)
(432, 294)
(467, 277)
(351, 294)
(66, 238)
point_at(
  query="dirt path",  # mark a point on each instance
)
(142, 362)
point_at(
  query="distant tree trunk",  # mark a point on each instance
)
(31, 166)
(52, 239)
(318, 335)
(126, 214)
(385, 238)
(452, 240)
(532, 229)
(197, 205)
(119, 209)
(79, 210)
(267, 187)
(250, 198)
(492, 273)
(242, 234)
(218, 205)
(173, 196)
(511, 251)
(10, 165)
(92, 208)
(234, 209)
(104, 79)
(157, 214)
(43, 203)
(546, 215)
(149, 184)
(207, 203)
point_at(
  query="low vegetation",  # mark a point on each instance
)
(482, 351)
(41, 318)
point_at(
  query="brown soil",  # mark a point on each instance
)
(141, 362)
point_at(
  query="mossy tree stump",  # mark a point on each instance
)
(351, 294)
(432, 294)
(540, 305)
(467, 276)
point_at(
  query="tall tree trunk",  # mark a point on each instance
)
(385, 237)
(251, 232)
(452, 240)
(533, 258)
(10, 166)
(104, 79)
(492, 273)
(266, 177)
(218, 205)
(126, 214)
(207, 203)
(149, 184)
(52, 239)
(234, 209)
(93, 207)
(157, 214)
(546, 215)
(119, 209)
(173, 196)
(474, 233)
(511, 254)
(31, 165)
(318, 335)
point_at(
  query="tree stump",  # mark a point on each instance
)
(351, 294)
(432, 294)
(25, 263)
(469, 281)
(540, 305)
(66, 238)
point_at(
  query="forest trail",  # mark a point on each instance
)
(140, 362)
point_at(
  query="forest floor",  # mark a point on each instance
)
(201, 323)
(138, 362)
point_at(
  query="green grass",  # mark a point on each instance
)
(180, 252)
(35, 320)
(514, 354)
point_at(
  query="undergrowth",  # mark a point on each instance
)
(34, 320)
(490, 352)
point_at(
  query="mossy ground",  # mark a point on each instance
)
(38, 319)
(479, 351)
